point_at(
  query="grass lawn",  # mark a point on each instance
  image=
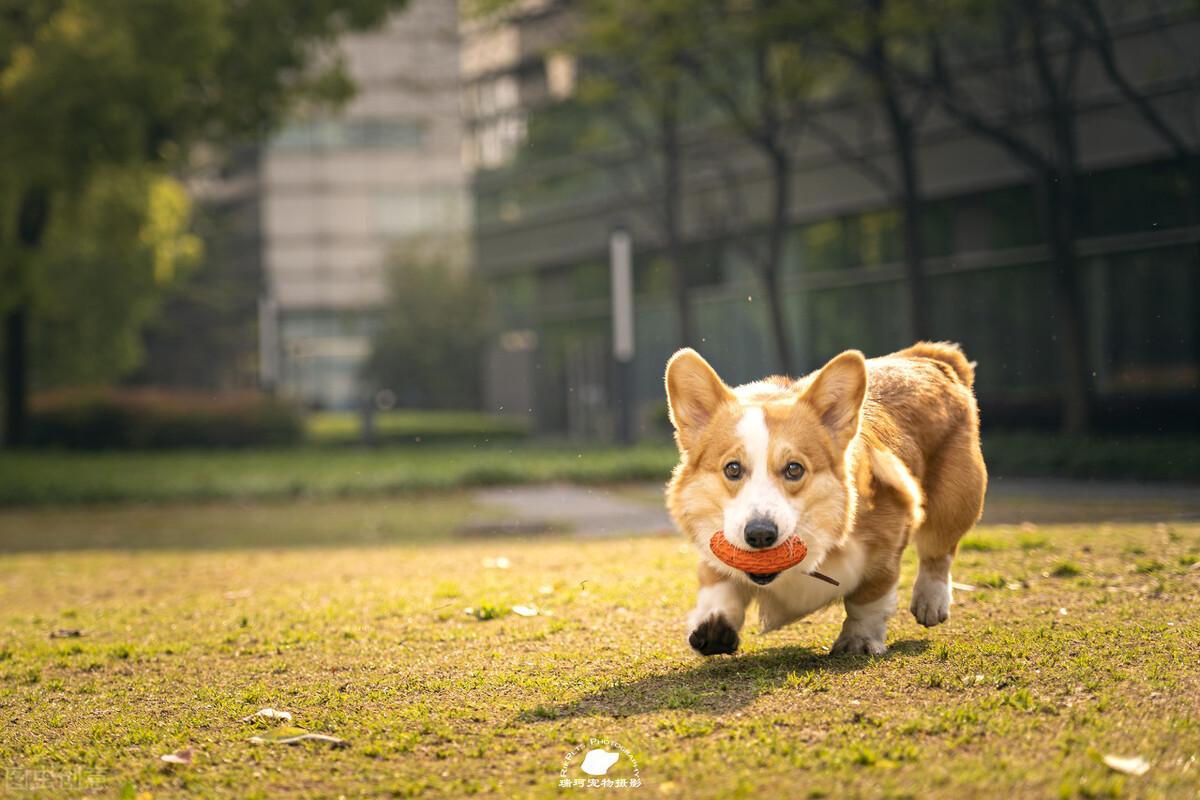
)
(1077, 642)
(53, 477)
(345, 427)
(32, 478)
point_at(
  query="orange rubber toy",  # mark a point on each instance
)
(761, 562)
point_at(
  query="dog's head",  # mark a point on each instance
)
(766, 461)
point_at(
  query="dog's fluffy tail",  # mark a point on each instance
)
(946, 353)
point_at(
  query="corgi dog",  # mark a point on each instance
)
(851, 461)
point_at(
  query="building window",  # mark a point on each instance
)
(497, 140)
(560, 75)
(493, 96)
(403, 212)
(352, 134)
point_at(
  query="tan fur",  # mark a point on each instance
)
(948, 354)
(907, 462)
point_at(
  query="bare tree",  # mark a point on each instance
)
(633, 79)
(1024, 99)
(1088, 20)
(753, 79)
(870, 40)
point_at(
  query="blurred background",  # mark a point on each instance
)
(421, 223)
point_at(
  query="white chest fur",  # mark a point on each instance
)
(794, 595)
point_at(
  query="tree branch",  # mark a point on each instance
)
(1101, 40)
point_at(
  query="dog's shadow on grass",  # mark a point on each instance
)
(720, 684)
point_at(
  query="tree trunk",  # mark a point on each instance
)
(16, 390)
(31, 225)
(903, 135)
(781, 173)
(1057, 205)
(679, 289)
(671, 189)
(910, 211)
(1058, 190)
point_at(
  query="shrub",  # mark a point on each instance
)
(429, 347)
(406, 427)
(94, 419)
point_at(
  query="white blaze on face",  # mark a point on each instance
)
(759, 494)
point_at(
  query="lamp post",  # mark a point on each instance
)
(620, 252)
(268, 344)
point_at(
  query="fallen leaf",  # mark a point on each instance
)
(275, 734)
(963, 587)
(525, 611)
(289, 734)
(269, 713)
(183, 756)
(66, 633)
(1130, 766)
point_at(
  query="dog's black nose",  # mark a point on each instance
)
(761, 532)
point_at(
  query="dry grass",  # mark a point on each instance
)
(1033, 680)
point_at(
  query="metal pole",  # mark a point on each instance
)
(268, 344)
(620, 249)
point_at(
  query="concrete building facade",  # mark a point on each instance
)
(342, 194)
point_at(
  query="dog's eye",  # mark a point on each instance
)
(733, 470)
(794, 471)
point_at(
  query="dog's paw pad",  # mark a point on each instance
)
(930, 602)
(855, 644)
(713, 636)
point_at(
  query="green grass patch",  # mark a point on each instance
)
(481, 457)
(414, 427)
(1020, 694)
(991, 580)
(39, 478)
(1065, 569)
(362, 522)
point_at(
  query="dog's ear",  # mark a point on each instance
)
(837, 394)
(694, 393)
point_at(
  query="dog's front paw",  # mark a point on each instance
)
(930, 601)
(858, 643)
(714, 635)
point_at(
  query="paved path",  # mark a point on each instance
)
(1052, 500)
(592, 512)
(586, 511)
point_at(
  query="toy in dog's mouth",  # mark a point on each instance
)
(763, 566)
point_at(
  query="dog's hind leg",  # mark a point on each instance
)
(954, 483)
(719, 613)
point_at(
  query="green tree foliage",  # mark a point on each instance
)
(429, 347)
(101, 272)
(91, 86)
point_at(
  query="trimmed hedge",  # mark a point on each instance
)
(406, 427)
(99, 419)
(1049, 455)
